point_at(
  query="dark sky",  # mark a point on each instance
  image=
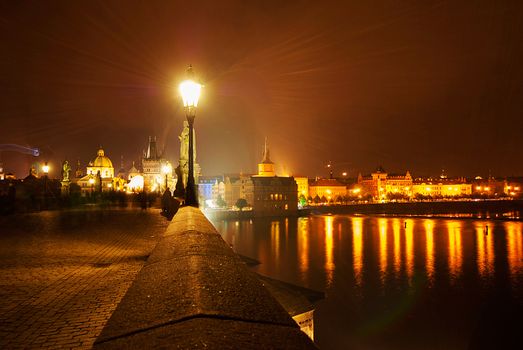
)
(416, 85)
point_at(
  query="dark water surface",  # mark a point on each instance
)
(429, 284)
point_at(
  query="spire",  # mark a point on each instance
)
(266, 154)
(151, 149)
(266, 167)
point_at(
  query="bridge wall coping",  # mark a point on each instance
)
(195, 292)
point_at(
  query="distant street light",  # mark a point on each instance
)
(166, 169)
(45, 168)
(190, 91)
(91, 181)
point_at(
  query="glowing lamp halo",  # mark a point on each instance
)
(166, 169)
(190, 92)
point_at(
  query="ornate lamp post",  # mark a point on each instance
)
(45, 169)
(166, 169)
(190, 91)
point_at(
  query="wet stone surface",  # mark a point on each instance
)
(62, 274)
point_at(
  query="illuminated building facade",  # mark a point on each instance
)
(101, 164)
(265, 192)
(100, 176)
(329, 189)
(488, 187)
(273, 195)
(380, 185)
(153, 164)
(303, 185)
(206, 190)
(399, 184)
(512, 187)
(229, 188)
(237, 187)
(441, 189)
(135, 178)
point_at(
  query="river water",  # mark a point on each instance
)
(389, 283)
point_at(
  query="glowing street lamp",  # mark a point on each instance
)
(190, 91)
(45, 168)
(91, 181)
(166, 169)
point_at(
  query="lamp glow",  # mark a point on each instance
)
(45, 168)
(166, 168)
(190, 92)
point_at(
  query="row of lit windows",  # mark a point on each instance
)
(276, 197)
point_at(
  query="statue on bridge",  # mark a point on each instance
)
(184, 154)
(66, 182)
(66, 168)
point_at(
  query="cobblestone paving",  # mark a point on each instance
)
(63, 273)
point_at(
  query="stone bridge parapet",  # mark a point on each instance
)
(195, 292)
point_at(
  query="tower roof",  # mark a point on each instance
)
(266, 155)
(152, 152)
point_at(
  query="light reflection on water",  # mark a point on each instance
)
(303, 245)
(429, 249)
(409, 248)
(515, 249)
(357, 248)
(374, 271)
(396, 229)
(329, 247)
(455, 249)
(382, 223)
(485, 249)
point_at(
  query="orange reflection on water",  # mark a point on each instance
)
(455, 252)
(357, 248)
(275, 239)
(409, 247)
(303, 244)
(329, 247)
(382, 224)
(429, 246)
(514, 247)
(396, 229)
(484, 249)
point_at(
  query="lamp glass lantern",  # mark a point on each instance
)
(45, 168)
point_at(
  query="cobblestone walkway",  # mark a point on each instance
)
(63, 273)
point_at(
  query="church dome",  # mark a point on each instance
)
(101, 160)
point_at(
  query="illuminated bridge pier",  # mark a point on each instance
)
(195, 292)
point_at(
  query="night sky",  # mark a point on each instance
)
(409, 85)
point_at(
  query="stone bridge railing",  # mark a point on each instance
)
(195, 292)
